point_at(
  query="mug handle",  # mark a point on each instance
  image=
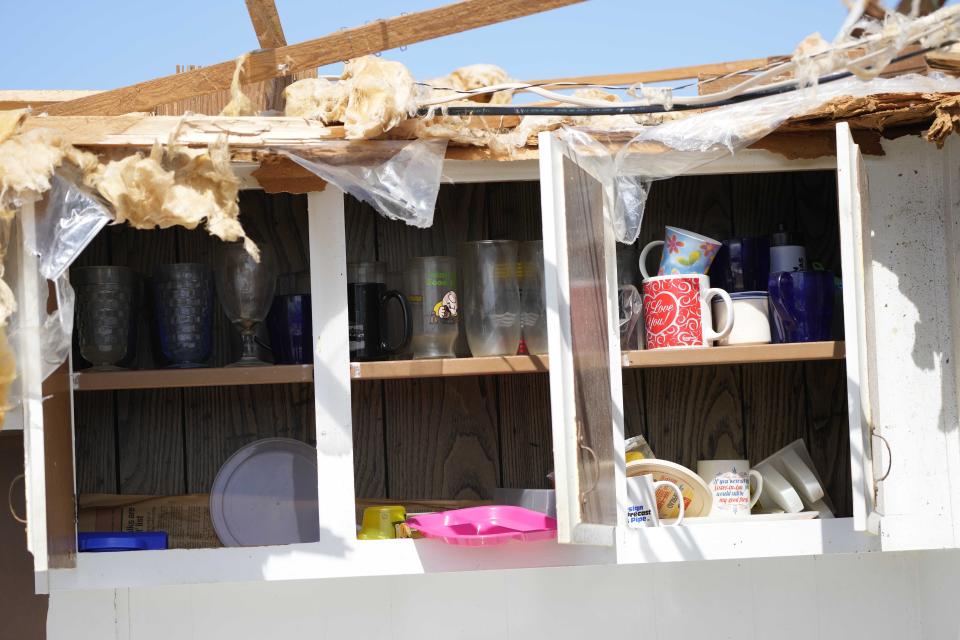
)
(643, 257)
(676, 489)
(777, 304)
(800, 476)
(708, 332)
(407, 327)
(758, 483)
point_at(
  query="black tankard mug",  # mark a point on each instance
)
(367, 306)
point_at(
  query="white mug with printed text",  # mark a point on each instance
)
(642, 501)
(729, 482)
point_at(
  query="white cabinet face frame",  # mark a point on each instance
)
(590, 488)
(31, 394)
(859, 334)
(568, 193)
(331, 364)
(586, 394)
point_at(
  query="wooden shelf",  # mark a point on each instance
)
(446, 367)
(739, 354)
(201, 377)
(403, 369)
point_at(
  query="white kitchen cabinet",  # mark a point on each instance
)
(901, 303)
(894, 412)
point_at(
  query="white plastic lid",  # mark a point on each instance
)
(266, 494)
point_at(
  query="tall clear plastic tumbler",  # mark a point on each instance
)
(491, 297)
(533, 300)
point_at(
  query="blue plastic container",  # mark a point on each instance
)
(100, 541)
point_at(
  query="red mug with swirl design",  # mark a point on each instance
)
(676, 311)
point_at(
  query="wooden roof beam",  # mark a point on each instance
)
(20, 98)
(348, 43)
(266, 23)
(666, 75)
(269, 30)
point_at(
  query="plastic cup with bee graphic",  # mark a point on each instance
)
(434, 305)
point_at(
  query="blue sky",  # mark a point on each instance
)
(101, 44)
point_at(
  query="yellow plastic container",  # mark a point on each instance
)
(379, 523)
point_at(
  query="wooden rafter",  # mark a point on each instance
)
(349, 43)
(266, 23)
(36, 98)
(269, 30)
(664, 75)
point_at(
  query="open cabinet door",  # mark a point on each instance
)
(47, 423)
(859, 333)
(586, 394)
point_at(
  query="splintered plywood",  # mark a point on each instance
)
(94, 413)
(691, 412)
(526, 437)
(149, 422)
(247, 413)
(369, 454)
(442, 438)
(453, 418)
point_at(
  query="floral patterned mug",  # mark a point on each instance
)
(683, 252)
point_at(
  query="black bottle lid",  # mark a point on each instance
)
(781, 237)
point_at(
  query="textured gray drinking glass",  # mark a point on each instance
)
(245, 288)
(491, 304)
(434, 306)
(533, 297)
(106, 330)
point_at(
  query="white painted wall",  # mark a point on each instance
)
(900, 595)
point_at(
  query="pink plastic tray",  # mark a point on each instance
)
(485, 526)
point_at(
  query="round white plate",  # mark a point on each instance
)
(266, 494)
(696, 493)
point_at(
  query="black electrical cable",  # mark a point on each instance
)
(520, 110)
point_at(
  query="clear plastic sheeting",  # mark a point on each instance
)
(625, 195)
(71, 218)
(400, 179)
(679, 146)
(70, 221)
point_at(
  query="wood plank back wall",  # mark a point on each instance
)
(462, 437)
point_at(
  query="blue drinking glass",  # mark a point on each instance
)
(183, 302)
(291, 329)
(742, 264)
(801, 306)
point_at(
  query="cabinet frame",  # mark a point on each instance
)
(339, 554)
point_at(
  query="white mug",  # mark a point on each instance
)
(778, 493)
(729, 482)
(752, 324)
(642, 501)
(792, 466)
